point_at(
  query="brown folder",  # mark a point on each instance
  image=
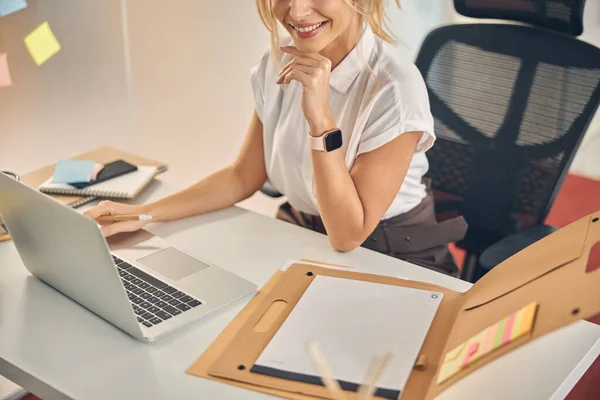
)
(103, 155)
(551, 273)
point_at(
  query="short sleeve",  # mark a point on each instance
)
(401, 106)
(257, 81)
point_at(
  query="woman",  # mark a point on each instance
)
(340, 127)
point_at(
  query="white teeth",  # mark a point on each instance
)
(308, 28)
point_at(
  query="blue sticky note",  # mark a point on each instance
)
(73, 171)
(11, 6)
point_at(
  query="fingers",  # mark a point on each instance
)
(306, 70)
(322, 62)
(103, 208)
(305, 63)
(296, 75)
(309, 62)
(118, 227)
(295, 52)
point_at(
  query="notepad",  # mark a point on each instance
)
(353, 321)
(8, 7)
(125, 186)
(74, 171)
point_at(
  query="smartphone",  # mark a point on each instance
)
(111, 170)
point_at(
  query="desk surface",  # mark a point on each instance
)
(55, 348)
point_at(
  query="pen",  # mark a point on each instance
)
(116, 218)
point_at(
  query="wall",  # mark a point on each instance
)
(75, 100)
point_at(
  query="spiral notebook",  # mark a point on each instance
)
(122, 187)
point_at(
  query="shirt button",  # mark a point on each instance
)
(407, 239)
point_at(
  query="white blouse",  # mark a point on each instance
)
(371, 107)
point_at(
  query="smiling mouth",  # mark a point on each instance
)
(308, 28)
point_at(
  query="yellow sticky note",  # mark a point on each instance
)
(42, 44)
(454, 353)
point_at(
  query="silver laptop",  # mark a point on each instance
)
(144, 287)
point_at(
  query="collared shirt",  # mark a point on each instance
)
(375, 96)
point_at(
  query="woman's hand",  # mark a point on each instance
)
(112, 208)
(312, 70)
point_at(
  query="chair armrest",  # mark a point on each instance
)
(507, 247)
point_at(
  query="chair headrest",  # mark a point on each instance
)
(565, 16)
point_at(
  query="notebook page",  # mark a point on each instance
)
(352, 321)
(127, 184)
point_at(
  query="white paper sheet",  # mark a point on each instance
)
(353, 321)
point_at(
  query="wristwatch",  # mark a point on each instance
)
(327, 142)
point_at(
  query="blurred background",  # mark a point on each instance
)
(168, 80)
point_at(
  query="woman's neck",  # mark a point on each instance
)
(337, 50)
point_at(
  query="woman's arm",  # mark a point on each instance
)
(352, 203)
(223, 188)
(219, 190)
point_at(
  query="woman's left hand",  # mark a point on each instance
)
(312, 70)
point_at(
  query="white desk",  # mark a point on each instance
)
(56, 349)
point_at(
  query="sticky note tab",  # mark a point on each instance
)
(42, 44)
(528, 318)
(452, 354)
(73, 171)
(499, 334)
(5, 79)
(506, 336)
(10, 6)
(473, 347)
(488, 340)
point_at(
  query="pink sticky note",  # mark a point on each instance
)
(4, 71)
(470, 353)
(508, 330)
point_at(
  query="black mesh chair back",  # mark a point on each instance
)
(511, 105)
(564, 16)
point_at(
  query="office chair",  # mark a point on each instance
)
(511, 105)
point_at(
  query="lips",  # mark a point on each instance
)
(307, 31)
(304, 28)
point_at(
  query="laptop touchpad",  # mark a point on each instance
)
(173, 263)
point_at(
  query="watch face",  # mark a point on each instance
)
(333, 140)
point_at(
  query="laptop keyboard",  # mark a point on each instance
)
(153, 301)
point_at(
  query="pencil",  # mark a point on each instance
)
(374, 373)
(116, 218)
(324, 369)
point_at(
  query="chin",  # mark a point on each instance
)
(305, 47)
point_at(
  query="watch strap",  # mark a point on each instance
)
(317, 143)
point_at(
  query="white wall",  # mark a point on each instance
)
(415, 19)
(74, 99)
(587, 161)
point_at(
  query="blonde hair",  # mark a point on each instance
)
(371, 11)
